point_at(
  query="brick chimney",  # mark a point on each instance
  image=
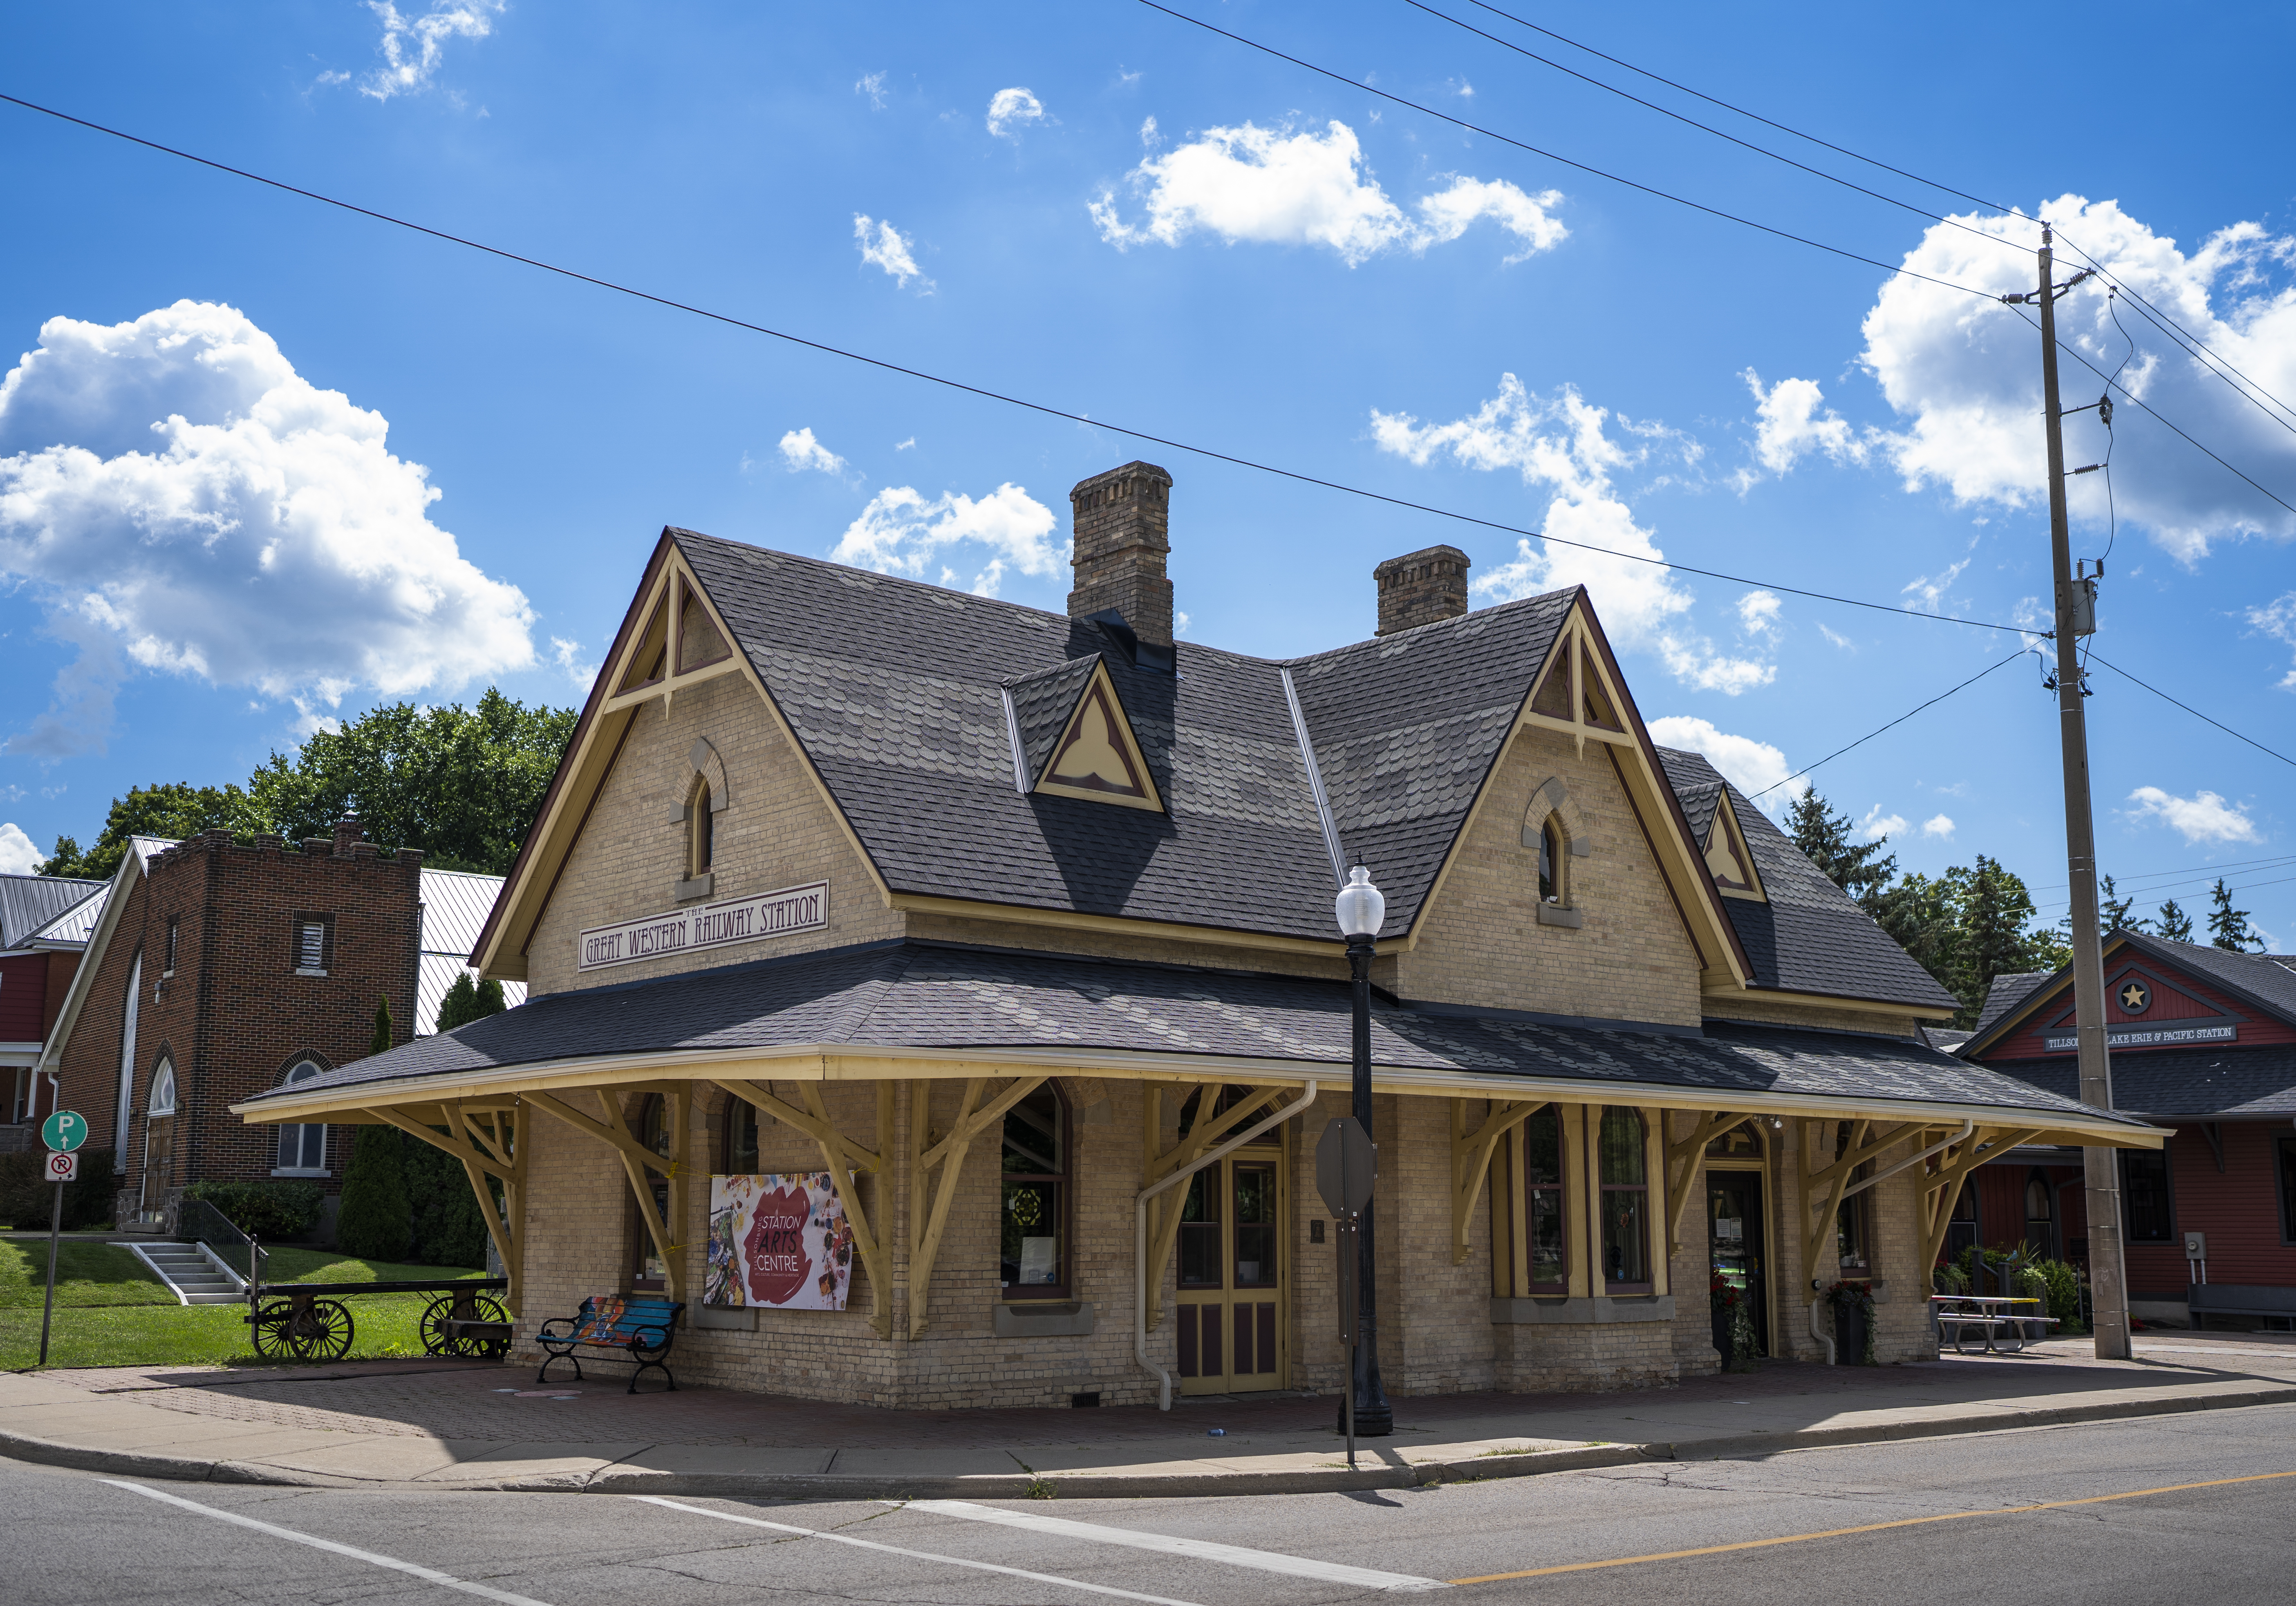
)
(1122, 528)
(1421, 587)
(348, 830)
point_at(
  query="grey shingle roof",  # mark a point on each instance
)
(1042, 703)
(2009, 991)
(1810, 936)
(897, 688)
(2229, 1080)
(2263, 980)
(916, 995)
(1700, 804)
(28, 902)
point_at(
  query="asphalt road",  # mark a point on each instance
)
(1919, 1521)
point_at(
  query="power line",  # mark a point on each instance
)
(2160, 319)
(2189, 708)
(2268, 862)
(1900, 720)
(1458, 122)
(2205, 883)
(996, 396)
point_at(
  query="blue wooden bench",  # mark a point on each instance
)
(638, 1329)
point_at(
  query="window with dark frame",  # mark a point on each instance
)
(2145, 1200)
(311, 945)
(1545, 1206)
(1033, 1211)
(741, 1137)
(1853, 1225)
(1550, 864)
(1622, 1166)
(2287, 1147)
(702, 837)
(2041, 1215)
(171, 948)
(649, 1273)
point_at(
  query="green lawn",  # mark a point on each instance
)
(108, 1314)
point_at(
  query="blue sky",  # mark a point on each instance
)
(1108, 210)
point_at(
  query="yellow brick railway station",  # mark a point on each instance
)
(941, 999)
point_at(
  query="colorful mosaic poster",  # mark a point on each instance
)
(778, 1239)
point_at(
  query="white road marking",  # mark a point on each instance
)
(430, 1575)
(923, 1555)
(1203, 1550)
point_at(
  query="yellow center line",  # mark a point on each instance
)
(1870, 1527)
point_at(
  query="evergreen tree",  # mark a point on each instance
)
(1994, 934)
(2228, 927)
(445, 1227)
(2112, 911)
(466, 1002)
(381, 1042)
(375, 1221)
(1824, 836)
(2175, 925)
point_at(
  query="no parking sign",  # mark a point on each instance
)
(63, 1166)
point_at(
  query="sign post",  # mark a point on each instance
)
(1346, 1165)
(63, 1132)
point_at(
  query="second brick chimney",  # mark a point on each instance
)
(1421, 587)
(1122, 534)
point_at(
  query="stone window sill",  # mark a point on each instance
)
(299, 1171)
(1556, 914)
(307, 971)
(699, 885)
(1042, 1319)
(1609, 1307)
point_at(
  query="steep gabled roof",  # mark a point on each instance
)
(1809, 936)
(27, 903)
(2262, 981)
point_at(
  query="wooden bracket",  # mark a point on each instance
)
(478, 1162)
(1471, 1158)
(1164, 1210)
(927, 1228)
(636, 1160)
(844, 1160)
(1941, 1188)
(1686, 1154)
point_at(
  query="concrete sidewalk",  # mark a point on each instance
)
(456, 1424)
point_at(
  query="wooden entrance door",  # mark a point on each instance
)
(1233, 1277)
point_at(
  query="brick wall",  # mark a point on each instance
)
(775, 832)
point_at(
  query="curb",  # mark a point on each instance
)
(1006, 1486)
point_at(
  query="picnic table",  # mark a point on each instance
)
(2007, 1331)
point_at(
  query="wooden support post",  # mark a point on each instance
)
(857, 1216)
(972, 1119)
(478, 1162)
(1682, 1166)
(1941, 1189)
(1164, 1210)
(636, 1160)
(1471, 1159)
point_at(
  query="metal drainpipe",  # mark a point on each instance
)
(1140, 1235)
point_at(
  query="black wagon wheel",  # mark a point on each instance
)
(322, 1332)
(438, 1338)
(270, 1330)
(483, 1309)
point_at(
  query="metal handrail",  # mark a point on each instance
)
(204, 1223)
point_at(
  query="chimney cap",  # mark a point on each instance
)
(1136, 468)
(1425, 554)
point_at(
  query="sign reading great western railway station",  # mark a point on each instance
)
(705, 926)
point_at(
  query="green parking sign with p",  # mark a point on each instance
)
(64, 1131)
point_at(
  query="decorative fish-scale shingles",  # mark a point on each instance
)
(1042, 703)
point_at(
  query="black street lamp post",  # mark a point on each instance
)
(1361, 909)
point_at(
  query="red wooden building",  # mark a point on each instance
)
(2202, 1041)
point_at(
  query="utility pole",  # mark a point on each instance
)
(2107, 1275)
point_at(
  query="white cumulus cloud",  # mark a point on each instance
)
(1752, 766)
(1876, 825)
(1758, 611)
(800, 451)
(1275, 187)
(1011, 109)
(1964, 372)
(183, 500)
(884, 246)
(901, 532)
(413, 46)
(2277, 618)
(872, 84)
(17, 857)
(1562, 444)
(1788, 426)
(1939, 826)
(568, 656)
(2202, 817)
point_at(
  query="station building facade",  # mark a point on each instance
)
(888, 947)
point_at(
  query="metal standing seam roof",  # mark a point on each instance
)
(30, 904)
(454, 907)
(914, 995)
(1810, 936)
(896, 689)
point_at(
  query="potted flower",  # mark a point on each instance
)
(1723, 1298)
(1853, 1323)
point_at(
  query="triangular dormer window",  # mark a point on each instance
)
(1072, 739)
(1726, 858)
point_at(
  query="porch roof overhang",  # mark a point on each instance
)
(908, 1010)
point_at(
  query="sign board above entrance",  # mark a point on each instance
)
(2147, 1037)
(705, 926)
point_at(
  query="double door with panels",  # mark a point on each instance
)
(1232, 1276)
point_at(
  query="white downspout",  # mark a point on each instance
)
(1140, 1234)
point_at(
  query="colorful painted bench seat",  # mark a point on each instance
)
(638, 1328)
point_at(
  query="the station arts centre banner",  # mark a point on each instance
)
(778, 1239)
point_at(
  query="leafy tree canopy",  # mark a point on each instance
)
(461, 785)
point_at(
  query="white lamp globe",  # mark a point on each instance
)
(1361, 908)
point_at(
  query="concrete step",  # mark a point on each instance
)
(192, 1275)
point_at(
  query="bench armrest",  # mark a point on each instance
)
(572, 1324)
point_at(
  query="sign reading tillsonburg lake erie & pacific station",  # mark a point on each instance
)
(706, 926)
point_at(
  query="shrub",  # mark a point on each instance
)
(24, 1198)
(273, 1211)
(2060, 1285)
(88, 1201)
(448, 1229)
(375, 1220)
